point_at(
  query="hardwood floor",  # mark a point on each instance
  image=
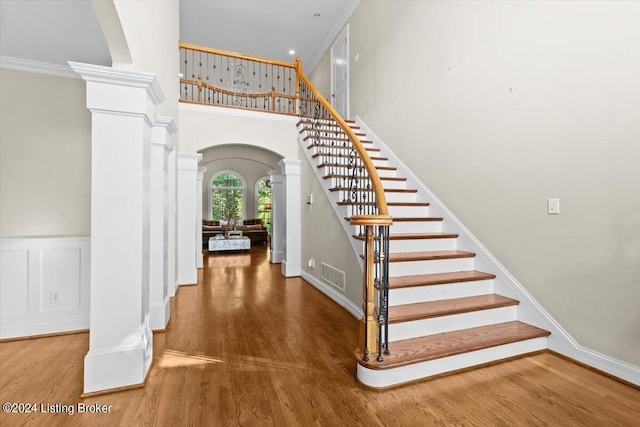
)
(247, 347)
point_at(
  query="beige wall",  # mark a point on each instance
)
(250, 162)
(498, 106)
(323, 237)
(45, 156)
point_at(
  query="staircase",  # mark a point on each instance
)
(443, 315)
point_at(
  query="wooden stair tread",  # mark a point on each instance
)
(447, 307)
(438, 279)
(352, 123)
(386, 190)
(335, 138)
(382, 178)
(416, 236)
(345, 155)
(429, 255)
(412, 219)
(323, 130)
(349, 203)
(431, 347)
(339, 147)
(417, 219)
(325, 164)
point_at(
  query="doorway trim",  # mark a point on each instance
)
(344, 34)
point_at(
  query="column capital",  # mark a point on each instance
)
(290, 166)
(275, 176)
(120, 92)
(166, 122)
(188, 161)
(201, 171)
(109, 75)
(163, 128)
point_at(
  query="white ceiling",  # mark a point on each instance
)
(57, 31)
(52, 31)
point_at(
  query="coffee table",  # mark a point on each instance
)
(239, 244)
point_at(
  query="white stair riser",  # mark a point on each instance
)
(315, 150)
(409, 211)
(416, 226)
(340, 182)
(343, 170)
(400, 197)
(394, 184)
(417, 245)
(387, 173)
(380, 378)
(343, 160)
(428, 267)
(440, 325)
(406, 211)
(421, 227)
(416, 294)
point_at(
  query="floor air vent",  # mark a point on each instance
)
(333, 275)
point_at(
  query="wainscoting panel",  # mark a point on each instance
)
(44, 285)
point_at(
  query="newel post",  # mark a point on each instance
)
(368, 339)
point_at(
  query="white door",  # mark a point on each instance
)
(340, 73)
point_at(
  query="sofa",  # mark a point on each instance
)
(252, 228)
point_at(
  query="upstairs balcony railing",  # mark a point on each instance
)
(218, 77)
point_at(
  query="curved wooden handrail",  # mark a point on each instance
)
(235, 55)
(381, 200)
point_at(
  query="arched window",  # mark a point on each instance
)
(227, 196)
(263, 201)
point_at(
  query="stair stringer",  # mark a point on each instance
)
(529, 310)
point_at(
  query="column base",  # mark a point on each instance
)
(291, 269)
(116, 368)
(159, 314)
(276, 257)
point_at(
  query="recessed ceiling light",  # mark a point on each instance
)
(316, 15)
(292, 52)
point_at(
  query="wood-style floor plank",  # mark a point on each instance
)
(248, 347)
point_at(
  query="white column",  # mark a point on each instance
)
(187, 217)
(161, 146)
(120, 340)
(277, 217)
(171, 239)
(292, 262)
(199, 260)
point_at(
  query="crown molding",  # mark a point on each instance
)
(138, 79)
(19, 64)
(331, 35)
(168, 123)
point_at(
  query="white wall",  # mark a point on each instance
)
(32, 270)
(152, 31)
(45, 155)
(207, 126)
(498, 106)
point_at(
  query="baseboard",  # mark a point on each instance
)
(337, 297)
(560, 341)
(44, 328)
(601, 362)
